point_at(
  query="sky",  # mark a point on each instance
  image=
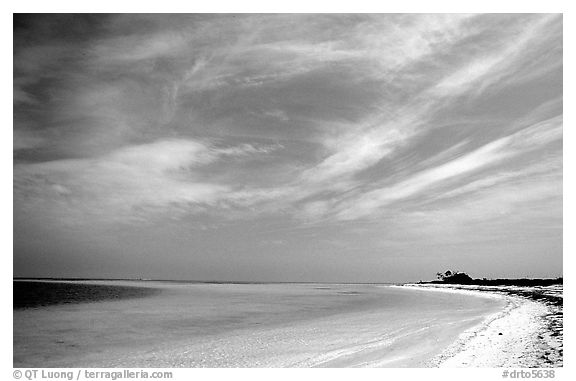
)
(287, 147)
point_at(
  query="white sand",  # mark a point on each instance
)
(232, 325)
(518, 336)
(293, 325)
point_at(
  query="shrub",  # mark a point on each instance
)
(455, 277)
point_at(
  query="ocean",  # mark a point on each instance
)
(180, 324)
(30, 294)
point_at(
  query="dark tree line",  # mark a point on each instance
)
(458, 277)
(454, 277)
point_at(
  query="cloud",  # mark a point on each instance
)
(133, 180)
(487, 69)
(490, 154)
(549, 168)
(319, 118)
(501, 210)
(357, 153)
(382, 135)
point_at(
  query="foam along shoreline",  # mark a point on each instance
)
(527, 333)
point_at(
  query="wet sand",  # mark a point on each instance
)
(527, 333)
(250, 325)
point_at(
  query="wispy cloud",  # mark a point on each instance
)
(491, 154)
(324, 126)
(485, 70)
(129, 181)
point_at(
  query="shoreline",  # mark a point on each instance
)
(528, 333)
(460, 330)
(249, 326)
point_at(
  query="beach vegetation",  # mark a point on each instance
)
(454, 277)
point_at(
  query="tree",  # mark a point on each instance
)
(447, 274)
(454, 277)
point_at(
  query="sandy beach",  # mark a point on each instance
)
(528, 332)
(252, 325)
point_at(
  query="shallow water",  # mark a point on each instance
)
(247, 325)
(30, 294)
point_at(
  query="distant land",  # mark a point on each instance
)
(540, 289)
(457, 277)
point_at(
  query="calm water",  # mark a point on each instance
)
(29, 294)
(241, 325)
